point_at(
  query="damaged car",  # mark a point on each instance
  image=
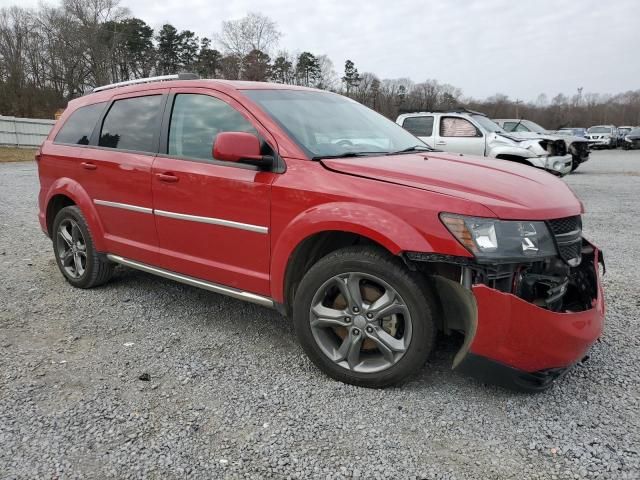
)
(309, 203)
(577, 146)
(632, 140)
(473, 133)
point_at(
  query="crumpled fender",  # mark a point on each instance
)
(377, 224)
(72, 189)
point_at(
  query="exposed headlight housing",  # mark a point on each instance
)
(493, 239)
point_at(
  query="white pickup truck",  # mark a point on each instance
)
(468, 132)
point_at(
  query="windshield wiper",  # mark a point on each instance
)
(347, 155)
(415, 148)
(516, 126)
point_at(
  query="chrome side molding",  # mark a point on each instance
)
(212, 221)
(124, 206)
(194, 282)
(184, 216)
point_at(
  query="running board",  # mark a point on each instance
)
(194, 282)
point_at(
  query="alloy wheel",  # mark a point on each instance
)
(71, 248)
(360, 322)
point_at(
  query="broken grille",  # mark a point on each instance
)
(568, 235)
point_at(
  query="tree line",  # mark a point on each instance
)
(52, 54)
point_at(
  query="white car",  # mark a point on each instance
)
(602, 136)
(577, 146)
(468, 132)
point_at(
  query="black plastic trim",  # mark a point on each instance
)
(490, 371)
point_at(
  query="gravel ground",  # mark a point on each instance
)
(230, 394)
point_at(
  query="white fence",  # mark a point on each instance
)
(23, 132)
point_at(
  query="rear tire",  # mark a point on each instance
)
(363, 318)
(81, 265)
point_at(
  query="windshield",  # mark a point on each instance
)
(487, 124)
(635, 132)
(624, 130)
(534, 127)
(327, 125)
(599, 130)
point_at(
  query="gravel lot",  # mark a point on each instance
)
(232, 395)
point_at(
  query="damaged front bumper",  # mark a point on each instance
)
(525, 341)
(559, 165)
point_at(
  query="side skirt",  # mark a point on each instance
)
(194, 282)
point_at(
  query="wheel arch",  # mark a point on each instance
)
(321, 230)
(65, 192)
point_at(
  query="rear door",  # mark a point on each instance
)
(212, 217)
(117, 173)
(459, 135)
(422, 127)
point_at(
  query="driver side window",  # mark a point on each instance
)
(457, 127)
(196, 120)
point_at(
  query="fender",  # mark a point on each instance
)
(73, 190)
(368, 221)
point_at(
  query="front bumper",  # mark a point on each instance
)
(526, 347)
(601, 143)
(559, 165)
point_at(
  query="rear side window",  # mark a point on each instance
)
(457, 127)
(132, 124)
(78, 127)
(419, 126)
(195, 122)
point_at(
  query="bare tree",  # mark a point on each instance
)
(255, 31)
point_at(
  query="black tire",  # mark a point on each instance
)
(411, 288)
(97, 269)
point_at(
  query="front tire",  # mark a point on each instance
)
(81, 265)
(363, 318)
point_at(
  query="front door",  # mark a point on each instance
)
(459, 135)
(212, 217)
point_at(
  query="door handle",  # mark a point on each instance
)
(89, 165)
(167, 177)
(441, 143)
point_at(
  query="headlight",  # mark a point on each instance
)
(490, 238)
(557, 166)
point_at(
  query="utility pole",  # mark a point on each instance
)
(518, 102)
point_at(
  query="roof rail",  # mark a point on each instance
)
(446, 110)
(161, 78)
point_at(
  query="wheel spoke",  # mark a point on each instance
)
(75, 233)
(65, 235)
(350, 350)
(328, 317)
(67, 257)
(386, 299)
(390, 309)
(77, 263)
(387, 344)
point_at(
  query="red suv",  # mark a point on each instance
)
(310, 203)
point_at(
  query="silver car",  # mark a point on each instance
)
(577, 146)
(468, 132)
(602, 136)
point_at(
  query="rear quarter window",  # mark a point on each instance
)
(78, 127)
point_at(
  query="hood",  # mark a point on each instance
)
(510, 190)
(536, 136)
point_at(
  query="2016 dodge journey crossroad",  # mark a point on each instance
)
(310, 203)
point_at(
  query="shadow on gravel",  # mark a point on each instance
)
(193, 307)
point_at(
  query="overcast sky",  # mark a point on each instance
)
(517, 47)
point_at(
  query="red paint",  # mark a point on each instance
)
(395, 201)
(236, 146)
(530, 338)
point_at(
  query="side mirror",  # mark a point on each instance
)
(240, 147)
